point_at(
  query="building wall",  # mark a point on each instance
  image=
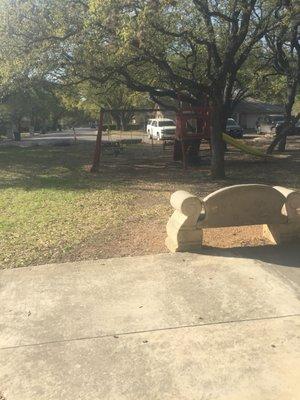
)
(142, 118)
(165, 114)
(247, 120)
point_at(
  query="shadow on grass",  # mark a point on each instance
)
(64, 168)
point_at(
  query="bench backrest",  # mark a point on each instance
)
(242, 205)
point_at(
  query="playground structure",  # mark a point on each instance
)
(193, 124)
(276, 208)
(99, 145)
(253, 151)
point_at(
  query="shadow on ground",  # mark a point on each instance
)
(67, 168)
(287, 255)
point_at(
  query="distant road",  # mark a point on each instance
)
(82, 135)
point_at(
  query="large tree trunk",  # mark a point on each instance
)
(280, 138)
(97, 152)
(217, 143)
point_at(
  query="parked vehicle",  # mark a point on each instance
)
(161, 129)
(295, 131)
(268, 124)
(148, 127)
(233, 129)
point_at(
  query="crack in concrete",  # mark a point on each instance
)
(118, 335)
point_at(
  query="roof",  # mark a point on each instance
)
(259, 107)
(249, 105)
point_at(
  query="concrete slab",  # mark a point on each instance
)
(282, 259)
(250, 360)
(168, 326)
(62, 302)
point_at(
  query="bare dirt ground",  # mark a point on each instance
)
(151, 174)
(53, 209)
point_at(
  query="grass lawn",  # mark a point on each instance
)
(52, 209)
(49, 204)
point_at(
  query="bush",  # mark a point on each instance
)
(135, 127)
(111, 127)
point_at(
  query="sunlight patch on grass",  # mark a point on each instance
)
(48, 204)
(37, 226)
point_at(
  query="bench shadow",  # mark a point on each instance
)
(285, 255)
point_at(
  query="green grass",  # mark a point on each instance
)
(52, 209)
(49, 204)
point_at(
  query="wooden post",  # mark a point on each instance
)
(74, 134)
(184, 160)
(97, 152)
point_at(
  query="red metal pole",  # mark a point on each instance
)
(97, 152)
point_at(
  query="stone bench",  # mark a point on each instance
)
(276, 208)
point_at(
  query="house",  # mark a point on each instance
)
(249, 111)
(162, 112)
(141, 118)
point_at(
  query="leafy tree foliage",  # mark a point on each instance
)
(36, 105)
(116, 97)
(284, 46)
(189, 50)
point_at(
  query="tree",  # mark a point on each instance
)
(123, 101)
(284, 45)
(116, 97)
(190, 50)
(33, 101)
(258, 80)
(37, 105)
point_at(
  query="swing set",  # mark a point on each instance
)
(193, 124)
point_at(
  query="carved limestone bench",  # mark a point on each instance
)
(276, 208)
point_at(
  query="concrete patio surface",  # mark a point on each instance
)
(169, 326)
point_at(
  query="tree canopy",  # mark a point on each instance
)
(189, 50)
